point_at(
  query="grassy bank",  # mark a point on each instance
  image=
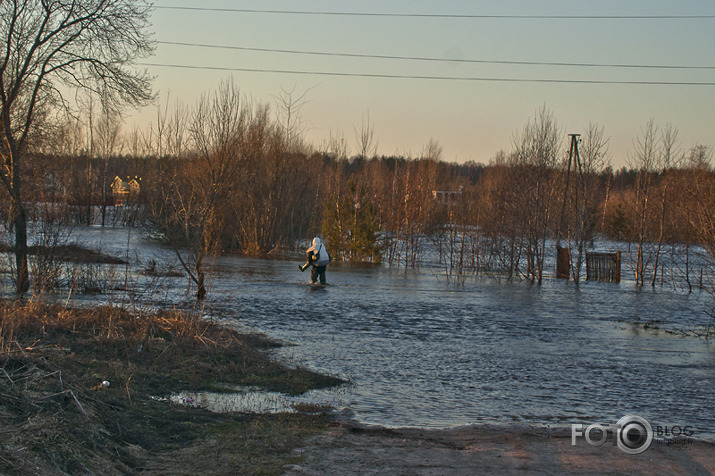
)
(57, 417)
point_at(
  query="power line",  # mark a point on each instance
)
(421, 58)
(432, 78)
(441, 15)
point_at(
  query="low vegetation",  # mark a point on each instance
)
(81, 392)
(68, 252)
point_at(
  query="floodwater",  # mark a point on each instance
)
(420, 351)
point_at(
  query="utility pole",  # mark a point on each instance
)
(563, 255)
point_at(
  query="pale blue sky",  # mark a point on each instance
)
(472, 120)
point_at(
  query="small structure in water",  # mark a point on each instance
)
(603, 267)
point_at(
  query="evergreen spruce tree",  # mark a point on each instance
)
(351, 226)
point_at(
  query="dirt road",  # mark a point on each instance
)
(349, 449)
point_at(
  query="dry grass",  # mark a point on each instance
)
(56, 416)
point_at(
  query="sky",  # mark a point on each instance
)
(473, 118)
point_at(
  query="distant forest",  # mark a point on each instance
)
(231, 176)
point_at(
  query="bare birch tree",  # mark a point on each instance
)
(536, 158)
(668, 158)
(644, 161)
(698, 202)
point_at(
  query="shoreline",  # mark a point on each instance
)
(78, 387)
(59, 417)
(346, 418)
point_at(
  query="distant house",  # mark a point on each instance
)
(124, 189)
(447, 197)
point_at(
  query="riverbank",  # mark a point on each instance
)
(84, 392)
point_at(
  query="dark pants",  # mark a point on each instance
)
(318, 272)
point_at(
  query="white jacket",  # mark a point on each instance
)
(320, 253)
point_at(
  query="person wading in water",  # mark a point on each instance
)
(319, 258)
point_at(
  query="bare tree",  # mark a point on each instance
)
(288, 106)
(644, 162)
(109, 143)
(593, 161)
(365, 138)
(667, 159)
(697, 198)
(262, 205)
(68, 138)
(50, 45)
(415, 206)
(109, 134)
(194, 188)
(500, 203)
(136, 143)
(336, 146)
(178, 131)
(536, 158)
(170, 136)
(432, 151)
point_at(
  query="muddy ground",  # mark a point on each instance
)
(350, 449)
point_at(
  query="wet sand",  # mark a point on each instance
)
(352, 449)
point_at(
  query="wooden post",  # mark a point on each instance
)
(563, 262)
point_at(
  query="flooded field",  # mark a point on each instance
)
(422, 352)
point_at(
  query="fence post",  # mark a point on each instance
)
(563, 262)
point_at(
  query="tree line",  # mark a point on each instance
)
(231, 175)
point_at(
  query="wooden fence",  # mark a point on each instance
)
(603, 267)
